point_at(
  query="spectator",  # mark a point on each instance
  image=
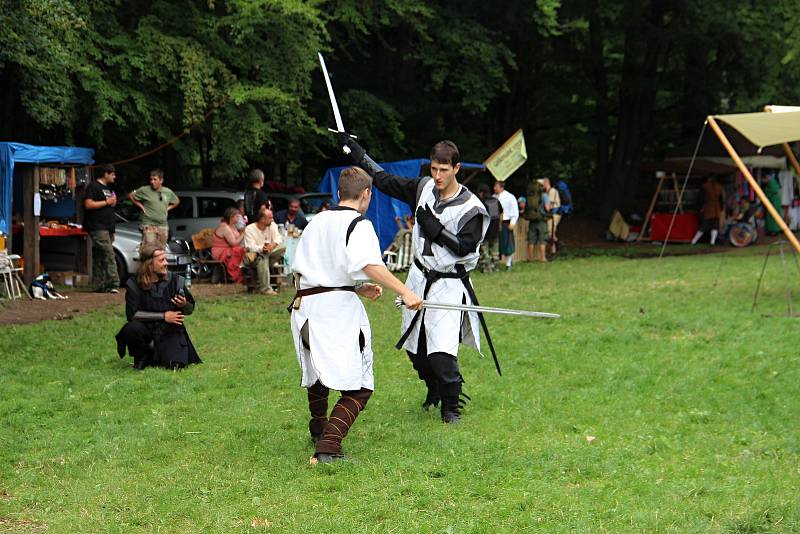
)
(226, 244)
(490, 247)
(292, 215)
(99, 221)
(713, 201)
(156, 302)
(254, 198)
(240, 207)
(155, 201)
(553, 218)
(264, 246)
(510, 217)
(536, 212)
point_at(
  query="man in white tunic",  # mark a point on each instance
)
(450, 225)
(337, 252)
(510, 218)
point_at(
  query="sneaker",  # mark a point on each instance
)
(113, 290)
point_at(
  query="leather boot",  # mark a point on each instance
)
(432, 398)
(451, 410)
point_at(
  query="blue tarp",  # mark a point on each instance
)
(383, 209)
(12, 153)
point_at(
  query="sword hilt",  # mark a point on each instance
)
(398, 302)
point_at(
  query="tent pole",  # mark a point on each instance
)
(757, 188)
(792, 158)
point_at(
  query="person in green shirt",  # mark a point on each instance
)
(155, 201)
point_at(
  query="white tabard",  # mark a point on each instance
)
(335, 318)
(444, 328)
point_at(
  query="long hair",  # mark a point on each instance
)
(146, 275)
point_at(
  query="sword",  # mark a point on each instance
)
(398, 302)
(337, 117)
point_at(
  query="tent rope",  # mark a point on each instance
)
(680, 194)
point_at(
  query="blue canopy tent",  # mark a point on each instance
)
(383, 209)
(13, 153)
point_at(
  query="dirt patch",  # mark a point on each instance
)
(20, 525)
(81, 301)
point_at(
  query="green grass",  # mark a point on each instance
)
(693, 402)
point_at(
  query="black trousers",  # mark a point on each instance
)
(439, 366)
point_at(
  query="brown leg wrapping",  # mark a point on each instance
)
(318, 406)
(342, 418)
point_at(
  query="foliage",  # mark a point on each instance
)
(691, 400)
(598, 86)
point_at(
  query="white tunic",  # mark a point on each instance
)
(335, 318)
(444, 329)
(510, 206)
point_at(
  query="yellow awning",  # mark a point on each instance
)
(765, 129)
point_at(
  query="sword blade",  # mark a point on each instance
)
(487, 309)
(336, 115)
(482, 309)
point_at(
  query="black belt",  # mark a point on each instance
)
(430, 277)
(316, 291)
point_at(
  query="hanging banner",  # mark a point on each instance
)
(508, 158)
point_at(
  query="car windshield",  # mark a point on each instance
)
(311, 205)
(127, 211)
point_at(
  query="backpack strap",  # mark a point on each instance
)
(352, 227)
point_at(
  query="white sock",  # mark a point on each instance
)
(697, 237)
(508, 262)
(714, 236)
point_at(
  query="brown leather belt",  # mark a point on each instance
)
(307, 292)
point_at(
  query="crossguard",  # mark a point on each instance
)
(398, 302)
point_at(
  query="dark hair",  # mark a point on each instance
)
(256, 175)
(483, 189)
(445, 152)
(352, 181)
(107, 169)
(157, 172)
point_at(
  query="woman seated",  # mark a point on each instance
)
(156, 302)
(226, 244)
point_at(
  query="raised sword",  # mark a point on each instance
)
(337, 117)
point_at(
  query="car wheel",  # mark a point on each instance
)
(201, 271)
(122, 271)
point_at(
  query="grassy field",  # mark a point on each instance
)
(692, 402)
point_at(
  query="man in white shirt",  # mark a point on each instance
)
(510, 216)
(337, 252)
(263, 246)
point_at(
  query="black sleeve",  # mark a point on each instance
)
(131, 299)
(466, 240)
(398, 187)
(261, 200)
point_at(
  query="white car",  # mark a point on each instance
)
(126, 251)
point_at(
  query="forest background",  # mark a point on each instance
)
(597, 86)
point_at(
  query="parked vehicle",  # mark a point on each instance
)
(126, 251)
(198, 209)
(310, 203)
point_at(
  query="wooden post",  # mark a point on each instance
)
(757, 188)
(30, 250)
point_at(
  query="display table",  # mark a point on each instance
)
(65, 249)
(683, 229)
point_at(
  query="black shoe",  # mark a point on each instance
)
(451, 418)
(139, 364)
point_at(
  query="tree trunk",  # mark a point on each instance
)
(645, 47)
(600, 122)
